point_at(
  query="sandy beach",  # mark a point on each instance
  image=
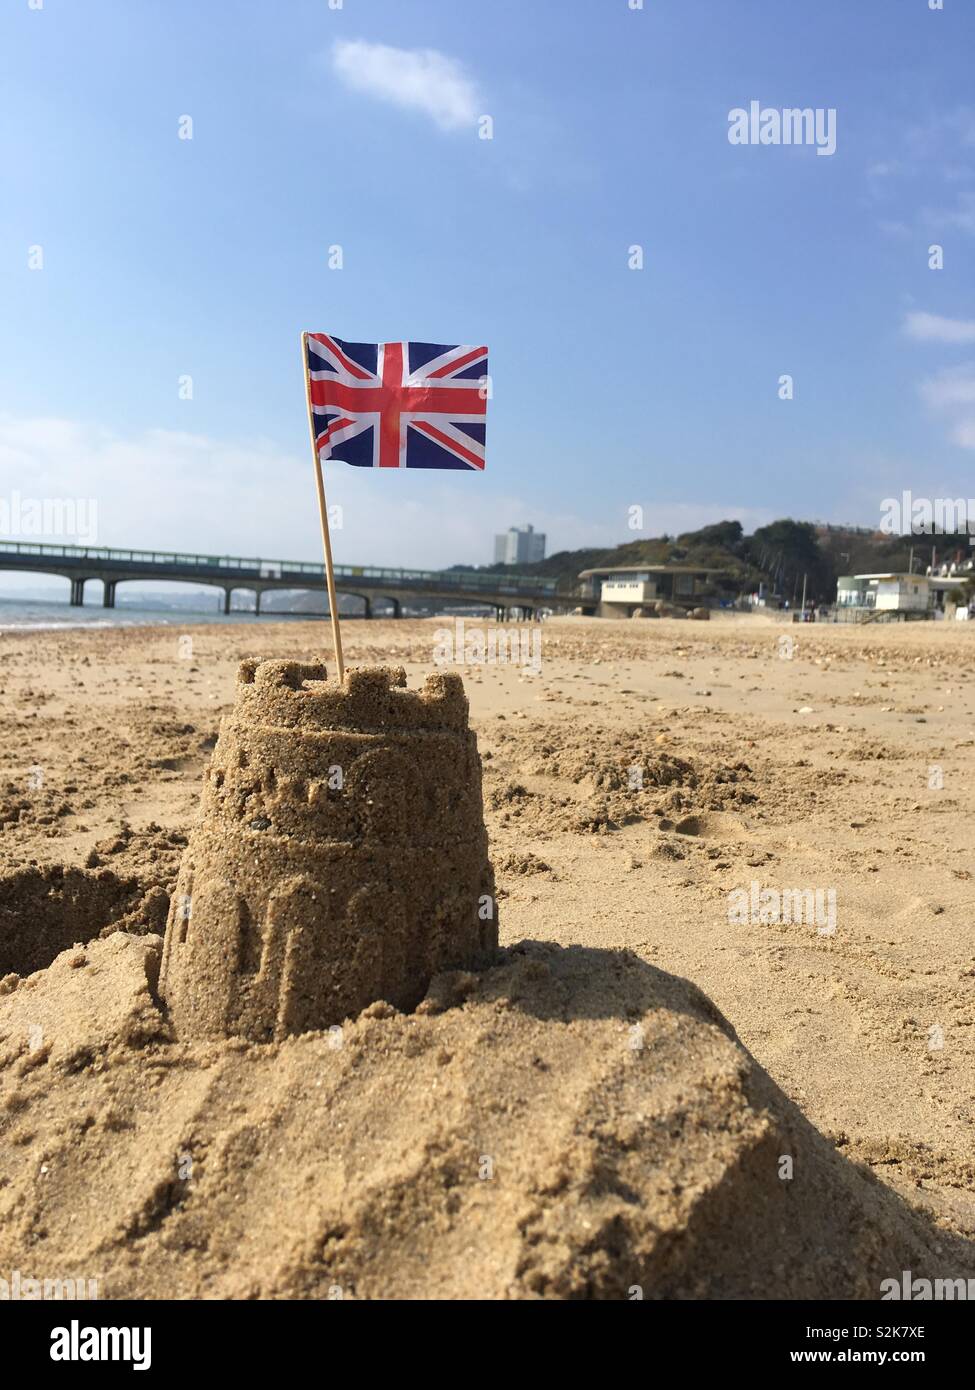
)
(771, 757)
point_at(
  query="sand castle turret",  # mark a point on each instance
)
(340, 858)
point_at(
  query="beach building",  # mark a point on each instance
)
(620, 591)
(902, 596)
(952, 595)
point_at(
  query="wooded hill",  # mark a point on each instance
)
(777, 555)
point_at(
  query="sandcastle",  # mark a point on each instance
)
(341, 855)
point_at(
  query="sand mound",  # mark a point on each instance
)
(617, 778)
(43, 911)
(569, 1123)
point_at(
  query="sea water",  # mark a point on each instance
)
(20, 614)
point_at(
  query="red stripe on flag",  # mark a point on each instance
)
(326, 435)
(438, 400)
(389, 419)
(461, 362)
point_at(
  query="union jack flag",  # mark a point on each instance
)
(397, 405)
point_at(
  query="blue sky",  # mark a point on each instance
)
(166, 257)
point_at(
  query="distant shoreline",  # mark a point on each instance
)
(47, 615)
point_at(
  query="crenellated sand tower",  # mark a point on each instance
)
(340, 858)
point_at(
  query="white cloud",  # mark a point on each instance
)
(167, 489)
(177, 491)
(932, 328)
(929, 139)
(962, 215)
(937, 151)
(893, 228)
(173, 490)
(954, 386)
(952, 394)
(419, 79)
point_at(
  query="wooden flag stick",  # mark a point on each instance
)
(333, 606)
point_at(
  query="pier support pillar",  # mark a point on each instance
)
(226, 600)
(77, 593)
(257, 600)
(108, 597)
